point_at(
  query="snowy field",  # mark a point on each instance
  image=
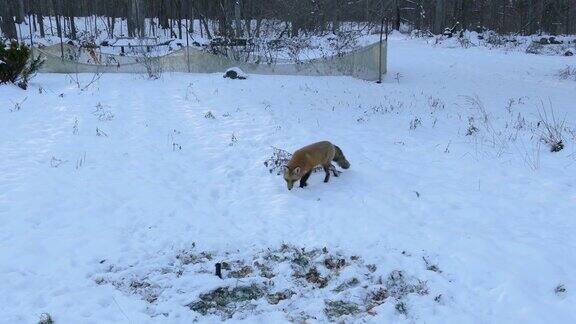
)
(117, 201)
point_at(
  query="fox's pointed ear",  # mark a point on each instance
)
(296, 171)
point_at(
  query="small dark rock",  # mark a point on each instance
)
(557, 147)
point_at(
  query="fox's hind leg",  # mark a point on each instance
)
(304, 179)
(327, 170)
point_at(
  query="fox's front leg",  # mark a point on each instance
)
(334, 171)
(304, 179)
(327, 170)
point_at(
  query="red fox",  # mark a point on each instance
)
(307, 158)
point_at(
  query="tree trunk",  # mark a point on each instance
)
(136, 18)
(237, 18)
(258, 26)
(56, 10)
(8, 27)
(72, 27)
(335, 16)
(504, 13)
(568, 17)
(398, 19)
(7, 24)
(179, 17)
(464, 14)
(439, 17)
(20, 16)
(223, 18)
(40, 20)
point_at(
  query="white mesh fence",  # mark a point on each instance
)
(363, 63)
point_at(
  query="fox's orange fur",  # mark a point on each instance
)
(307, 158)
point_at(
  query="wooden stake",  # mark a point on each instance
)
(380, 52)
(219, 270)
(187, 46)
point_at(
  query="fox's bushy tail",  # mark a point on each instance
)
(340, 159)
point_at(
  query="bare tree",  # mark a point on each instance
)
(244, 18)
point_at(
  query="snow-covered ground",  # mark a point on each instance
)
(117, 201)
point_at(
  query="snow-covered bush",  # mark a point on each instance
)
(151, 63)
(17, 65)
(344, 42)
(494, 39)
(551, 129)
(45, 318)
(567, 73)
(549, 45)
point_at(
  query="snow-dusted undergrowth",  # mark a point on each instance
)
(291, 281)
(561, 45)
(458, 206)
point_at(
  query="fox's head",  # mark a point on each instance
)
(291, 176)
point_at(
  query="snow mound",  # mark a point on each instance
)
(298, 282)
(235, 73)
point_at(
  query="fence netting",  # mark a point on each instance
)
(364, 63)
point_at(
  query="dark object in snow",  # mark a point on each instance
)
(556, 147)
(401, 308)
(334, 263)
(569, 53)
(544, 41)
(314, 277)
(560, 290)
(218, 41)
(219, 270)
(379, 295)
(553, 40)
(235, 73)
(230, 42)
(45, 318)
